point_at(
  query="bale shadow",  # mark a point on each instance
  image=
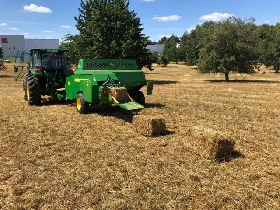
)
(164, 82)
(233, 155)
(243, 81)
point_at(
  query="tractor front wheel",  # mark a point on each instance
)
(81, 104)
(32, 90)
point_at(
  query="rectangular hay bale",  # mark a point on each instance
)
(120, 94)
(149, 127)
(219, 148)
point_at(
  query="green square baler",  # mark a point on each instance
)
(115, 81)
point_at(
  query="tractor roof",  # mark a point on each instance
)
(45, 50)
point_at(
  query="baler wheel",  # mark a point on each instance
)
(32, 90)
(139, 97)
(81, 104)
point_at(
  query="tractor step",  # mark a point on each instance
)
(131, 105)
(60, 89)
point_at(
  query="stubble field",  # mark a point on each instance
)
(54, 158)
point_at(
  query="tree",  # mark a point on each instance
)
(189, 47)
(2, 66)
(170, 50)
(71, 43)
(109, 30)
(230, 47)
(269, 45)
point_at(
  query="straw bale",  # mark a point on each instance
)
(219, 148)
(149, 127)
(120, 94)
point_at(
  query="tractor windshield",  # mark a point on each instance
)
(50, 61)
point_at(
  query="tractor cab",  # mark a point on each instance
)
(45, 60)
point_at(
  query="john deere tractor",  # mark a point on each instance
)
(46, 75)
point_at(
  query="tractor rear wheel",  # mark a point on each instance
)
(32, 90)
(81, 104)
(139, 97)
(24, 88)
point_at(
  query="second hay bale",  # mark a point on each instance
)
(149, 127)
(217, 147)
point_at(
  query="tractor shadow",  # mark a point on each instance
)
(243, 81)
(6, 76)
(153, 105)
(54, 101)
(120, 113)
(164, 82)
(113, 111)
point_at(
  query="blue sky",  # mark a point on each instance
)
(55, 18)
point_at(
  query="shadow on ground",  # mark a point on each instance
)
(243, 81)
(234, 154)
(164, 82)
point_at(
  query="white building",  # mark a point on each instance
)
(12, 44)
(41, 43)
(156, 48)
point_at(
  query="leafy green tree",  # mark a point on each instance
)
(163, 60)
(189, 47)
(163, 40)
(71, 43)
(109, 30)
(154, 57)
(170, 50)
(230, 47)
(269, 45)
(2, 66)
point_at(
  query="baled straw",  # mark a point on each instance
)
(149, 127)
(120, 94)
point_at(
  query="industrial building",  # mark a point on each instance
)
(156, 48)
(12, 44)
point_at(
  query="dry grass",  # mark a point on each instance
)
(54, 158)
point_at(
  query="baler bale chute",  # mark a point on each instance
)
(113, 81)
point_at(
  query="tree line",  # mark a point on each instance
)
(232, 45)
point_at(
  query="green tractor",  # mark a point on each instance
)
(46, 74)
(95, 81)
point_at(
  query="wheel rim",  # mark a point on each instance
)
(78, 103)
(27, 91)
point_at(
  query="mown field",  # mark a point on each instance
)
(54, 158)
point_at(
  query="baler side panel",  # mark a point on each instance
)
(82, 84)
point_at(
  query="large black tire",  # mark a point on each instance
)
(81, 104)
(139, 97)
(24, 88)
(32, 90)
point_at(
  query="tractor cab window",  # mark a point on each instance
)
(36, 61)
(52, 61)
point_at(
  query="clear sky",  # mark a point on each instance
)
(55, 18)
